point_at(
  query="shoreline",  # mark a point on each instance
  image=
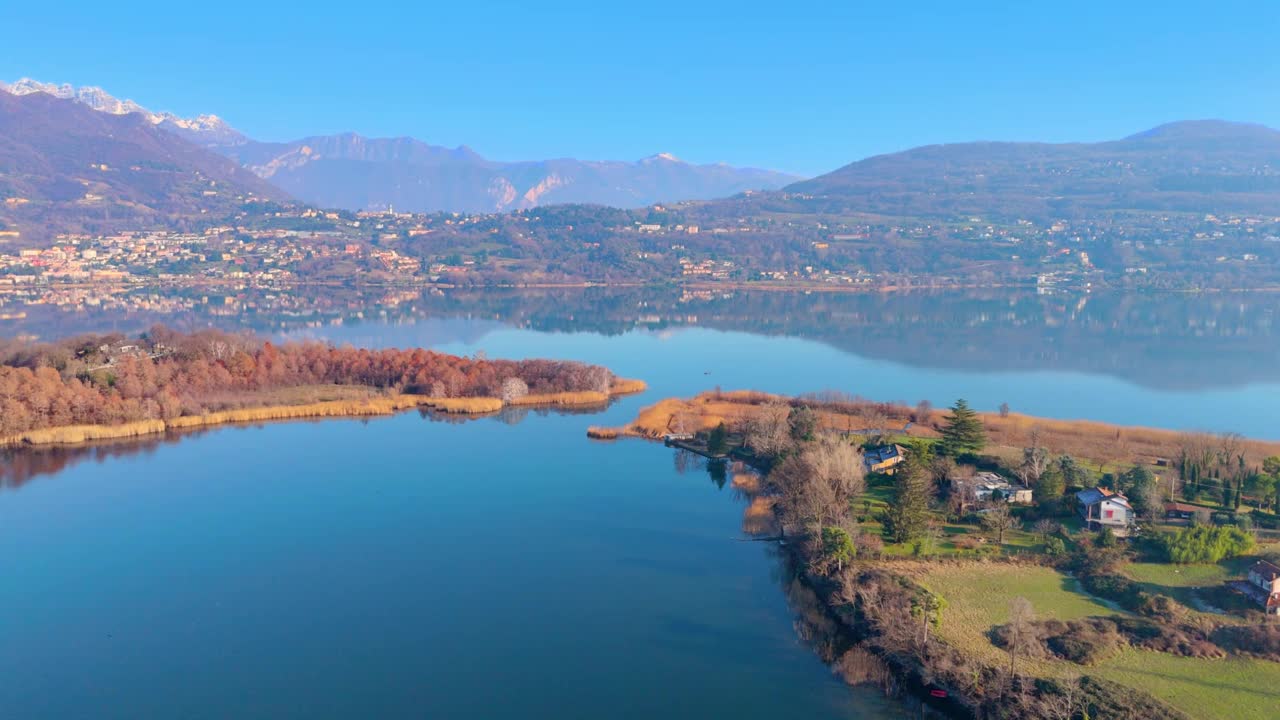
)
(924, 285)
(73, 435)
(1082, 437)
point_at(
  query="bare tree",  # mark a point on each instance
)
(998, 520)
(767, 432)
(1045, 527)
(1068, 702)
(1230, 446)
(1023, 637)
(924, 409)
(513, 388)
(818, 484)
(1035, 461)
(876, 422)
(1004, 409)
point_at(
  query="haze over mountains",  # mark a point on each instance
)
(352, 172)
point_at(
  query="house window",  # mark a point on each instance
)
(1108, 514)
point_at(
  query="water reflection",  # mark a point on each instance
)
(20, 465)
(1155, 340)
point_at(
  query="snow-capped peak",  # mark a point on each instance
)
(661, 157)
(205, 129)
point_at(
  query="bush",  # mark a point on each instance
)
(1168, 637)
(1055, 547)
(1117, 588)
(1261, 640)
(1206, 544)
(1083, 642)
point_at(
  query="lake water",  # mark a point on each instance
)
(509, 567)
(399, 567)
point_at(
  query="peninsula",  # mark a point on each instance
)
(100, 387)
(1001, 565)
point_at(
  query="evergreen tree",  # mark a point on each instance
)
(962, 431)
(837, 548)
(908, 510)
(718, 440)
(804, 423)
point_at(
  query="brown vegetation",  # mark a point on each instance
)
(1082, 438)
(100, 387)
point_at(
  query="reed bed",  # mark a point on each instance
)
(627, 386)
(581, 397)
(465, 406)
(354, 407)
(1087, 439)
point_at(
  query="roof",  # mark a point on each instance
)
(1266, 569)
(1093, 496)
(888, 452)
(1180, 507)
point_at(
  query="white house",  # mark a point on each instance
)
(1106, 508)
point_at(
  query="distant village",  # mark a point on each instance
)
(292, 244)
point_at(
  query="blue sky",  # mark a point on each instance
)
(804, 87)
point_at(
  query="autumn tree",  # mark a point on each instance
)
(513, 388)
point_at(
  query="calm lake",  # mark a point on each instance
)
(509, 567)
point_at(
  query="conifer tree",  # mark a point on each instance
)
(962, 431)
(908, 512)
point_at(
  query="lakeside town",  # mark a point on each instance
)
(266, 243)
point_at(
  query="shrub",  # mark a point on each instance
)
(1206, 544)
(1262, 640)
(1055, 547)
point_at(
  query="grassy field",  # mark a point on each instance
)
(1230, 689)
(977, 595)
(978, 598)
(1200, 587)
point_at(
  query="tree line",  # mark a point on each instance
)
(111, 379)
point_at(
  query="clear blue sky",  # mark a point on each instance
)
(795, 86)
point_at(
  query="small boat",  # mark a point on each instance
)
(938, 693)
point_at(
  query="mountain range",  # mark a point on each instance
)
(67, 168)
(353, 172)
(1203, 166)
(81, 160)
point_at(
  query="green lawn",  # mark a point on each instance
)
(1196, 586)
(978, 597)
(1230, 689)
(1160, 577)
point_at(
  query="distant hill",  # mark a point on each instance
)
(65, 167)
(1206, 166)
(353, 172)
(357, 173)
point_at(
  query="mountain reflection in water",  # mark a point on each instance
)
(1166, 341)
